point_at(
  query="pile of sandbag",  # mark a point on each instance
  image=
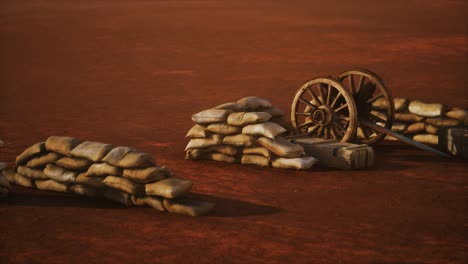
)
(248, 131)
(422, 121)
(122, 174)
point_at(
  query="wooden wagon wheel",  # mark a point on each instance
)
(373, 100)
(324, 108)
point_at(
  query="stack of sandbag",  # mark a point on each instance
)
(4, 185)
(422, 121)
(248, 131)
(122, 174)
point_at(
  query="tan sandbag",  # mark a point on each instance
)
(443, 121)
(399, 127)
(254, 103)
(61, 145)
(415, 128)
(30, 152)
(235, 107)
(282, 147)
(427, 139)
(94, 151)
(282, 122)
(42, 161)
(302, 163)
(211, 140)
(427, 110)
(380, 103)
(274, 111)
(124, 184)
(247, 118)
(197, 131)
(257, 151)
(188, 207)
(431, 129)
(239, 140)
(401, 104)
(194, 154)
(136, 160)
(116, 154)
(74, 163)
(408, 117)
(225, 149)
(18, 179)
(103, 169)
(211, 116)
(224, 129)
(150, 174)
(118, 196)
(4, 181)
(82, 189)
(459, 114)
(3, 165)
(95, 182)
(267, 129)
(219, 157)
(151, 201)
(59, 174)
(3, 192)
(391, 138)
(51, 185)
(32, 173)
(379, 114)
(169, 188)
(255, 160)
(10, 175)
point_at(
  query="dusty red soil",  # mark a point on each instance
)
(132, 73)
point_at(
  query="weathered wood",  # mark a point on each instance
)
(454, 141)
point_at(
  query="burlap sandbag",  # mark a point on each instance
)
(188, 207)
(136, 160)
(302, 163)
(257, 151)
(211, 140)
(254, 103)
(247, 118)
(118, 196)
(399, 127)
(51, 185)
(62, 145)
(267, 129)
(116, 154)
(150, 174)
(225, 149)
(94, 151)
(42, 161)
(169, 188)
(427, 139)
(74, 163)
(274, 111)
(195, 154)
(211, 116)
(255, 160)
(219, 157)
(286, 124)
(3, 165)
(240, 140)
(4, 181)
(30, 152)
(32, 173)
(443, 121)
(400, 104)
(224, 129)
(124, 184)
(415, 128)
(82, 189)
(408, 117)
(459, 114)
(235, 107)
(103, 169)
(427, 110)
(197, 131)
(282, 147)
(151, 201)
(431, 129)
(18, 179)
(59, 174)
(95, 182)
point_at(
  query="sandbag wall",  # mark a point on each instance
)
(122, 174)
(247, 132)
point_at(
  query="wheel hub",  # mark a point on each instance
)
(322, 116)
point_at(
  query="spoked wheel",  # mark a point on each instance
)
(324, 108)
(374, 103)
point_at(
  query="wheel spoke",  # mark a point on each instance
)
(351, 84)
(307, 102)
(375, 98)
(306, 124)
(311, 130)
(343, 118)
(361, 82)
(365, 132)
(335, 100)
(321, 97)
(342, 129)
(320, 131)
(303, 113)
(314, 96)
(327, 132)
(328, 94)
(332, 132)
(341, 107)
(378, 118)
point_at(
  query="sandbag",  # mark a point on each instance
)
(4, 181)
(302, 163)
(136, 160)
(211, 116)
(42, 161)
(427, 110)
(82, 189)
(18, 179)
(401, 104)
(431, 129)
(255, 160)
(74, 163)
(399, 127)
(379, 114)
(282, 147)
(239, 140)
(59, 174)
(408, 117)
(94, 151)
(282, 122)
(254, 103)
(195, 154)
(150, 174)
(61, 145)
(197, 131)
(225, 149)
(51, 185)
(459, 114)
(274, 111)
(188, 207)
(224, 129)
(124, 184)
(415, 128)
(257, 151)
(151, 201)
(116, 154)
(235, 107)
(443, 121)
(118, 196)
(32, 173)
(219, 157)
(95, 182)
(427, 139)
(169, 188)
(212, 140)
(267, 129)
(3, 165)
(30, 152)
(247, 118)
(103, 169)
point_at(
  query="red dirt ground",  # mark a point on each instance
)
(132, 72)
